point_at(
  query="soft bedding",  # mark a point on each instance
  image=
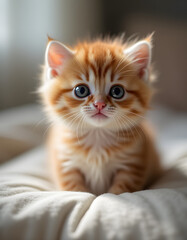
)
(31, 207)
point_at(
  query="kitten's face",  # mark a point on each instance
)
(98, 85)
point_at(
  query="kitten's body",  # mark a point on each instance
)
(99, 154)
(99, 143)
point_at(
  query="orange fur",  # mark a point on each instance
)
(114, 154)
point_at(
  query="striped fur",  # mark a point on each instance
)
(115, 154)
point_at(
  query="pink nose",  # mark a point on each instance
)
(99, 105)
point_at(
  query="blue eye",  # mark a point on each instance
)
(82, 91)
(117, 91)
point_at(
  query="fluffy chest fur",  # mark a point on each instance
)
(98, 154)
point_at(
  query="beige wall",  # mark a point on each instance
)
(169, 56)
(24, 25)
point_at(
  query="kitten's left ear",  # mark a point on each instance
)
(56, 56)
(140, 55)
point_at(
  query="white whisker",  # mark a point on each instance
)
(136, 114)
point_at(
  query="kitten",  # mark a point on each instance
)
(96, 95)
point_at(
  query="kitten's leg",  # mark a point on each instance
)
(128, 181)
(73, 181)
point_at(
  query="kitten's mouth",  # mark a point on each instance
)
(99, 115)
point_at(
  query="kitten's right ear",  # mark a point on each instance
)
(56, 56)
(140, 55)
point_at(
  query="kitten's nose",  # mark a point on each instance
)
(99, 104)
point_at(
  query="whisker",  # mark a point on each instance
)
(81, 126)
(119, 62)
(77, 129)
(122, 70)
(43, 120)
(134, 125)
(73, 120)
(70, 115)
(118, 126)
(138, 127)
(123, 119)
(47, 129)
(122, 129)
(136, 114)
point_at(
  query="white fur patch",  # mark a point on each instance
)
(97, 166)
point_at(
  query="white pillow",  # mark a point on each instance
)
(30, 208)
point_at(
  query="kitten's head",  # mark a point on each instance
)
(97, 84)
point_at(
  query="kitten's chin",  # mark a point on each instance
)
(98, 120)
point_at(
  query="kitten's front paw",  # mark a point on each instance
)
(117, 190)
(80, 189)
(75, 188)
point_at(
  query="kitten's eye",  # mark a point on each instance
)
(117, 92)
(82, 91)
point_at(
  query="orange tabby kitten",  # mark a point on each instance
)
(96, 94)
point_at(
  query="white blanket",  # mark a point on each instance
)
(31, 208)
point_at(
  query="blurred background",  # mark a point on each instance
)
(24, 26)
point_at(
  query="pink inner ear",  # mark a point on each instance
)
(56, 56)
(142, 60)
(142, 56)
(141, 72)
(54, 73)
(55, 59)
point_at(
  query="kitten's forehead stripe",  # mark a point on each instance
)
(87, 76)
(91, 75)
(93, 69)
(79, 77)
(99, 72)
(109, 65)
(112, 76)
(108, 75)
(83, 78)
(120, 78)
(100, 58)
(87, 64)
(116, 77)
